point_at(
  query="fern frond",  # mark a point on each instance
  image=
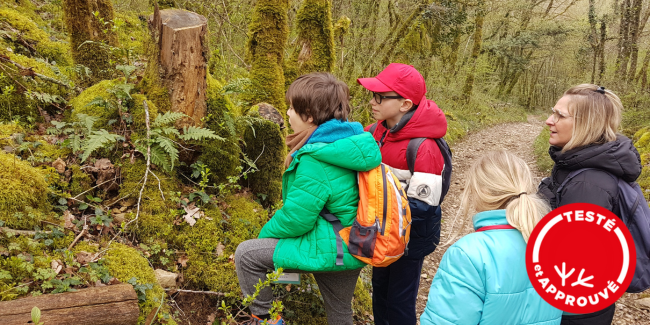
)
(159, 157)
(170, 131)
(87, 121)
(96, 140)
(169, 147)
(197, 133)
(167, 118)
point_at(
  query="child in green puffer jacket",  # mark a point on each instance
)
(326, 152)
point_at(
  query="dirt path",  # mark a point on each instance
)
(516, 138)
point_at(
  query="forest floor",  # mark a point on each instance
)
(516, 138)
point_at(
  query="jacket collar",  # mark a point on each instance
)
(402, 122)
(489, 218)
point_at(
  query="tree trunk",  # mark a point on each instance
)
(601, 49)
(593, 38)
(109, 305)
(634, 36)
(314, 47)
(267, 37)
(624, 50)
(183, 57)
(643, 74)
(476, 50)
(90, 35)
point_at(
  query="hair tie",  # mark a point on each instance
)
(601, 90)
(520, 194)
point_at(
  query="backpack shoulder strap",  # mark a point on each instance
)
(373, 128)
(572, 174)
(336, 224)
(412, 152)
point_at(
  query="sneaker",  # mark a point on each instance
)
(258, 321)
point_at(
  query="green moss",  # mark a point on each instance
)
(207, 268)
(222, 157)
(642, 144)
(151, 84)
(139, 115)
(83, 26)
(314, 49)
(125, 263)
(30, 32)
(23, 195)
(267, 37)
(6, 131)
(100, 89)
(362, 301)
(79, 182)
(266, 146)
(540, 149)
(156, 215)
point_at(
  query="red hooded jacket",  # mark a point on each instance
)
(427, 121)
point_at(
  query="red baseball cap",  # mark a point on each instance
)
(401, 78)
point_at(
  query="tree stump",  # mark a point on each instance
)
(183, 57)
(109, 305)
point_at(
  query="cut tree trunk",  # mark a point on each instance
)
(109, 305)
(183, 52)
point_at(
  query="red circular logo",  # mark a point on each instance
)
(580, 258)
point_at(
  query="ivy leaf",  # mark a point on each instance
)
(83, 206)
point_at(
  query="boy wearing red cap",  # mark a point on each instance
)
(403, 113)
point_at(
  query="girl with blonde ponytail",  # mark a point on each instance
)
(482, 277)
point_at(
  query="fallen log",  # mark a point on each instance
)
(109, 305)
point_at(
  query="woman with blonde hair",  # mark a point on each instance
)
(589, 159)
(482, 277)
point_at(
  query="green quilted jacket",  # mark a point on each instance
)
(323, 173)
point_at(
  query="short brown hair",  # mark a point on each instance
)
(597, 115)
(321, 96)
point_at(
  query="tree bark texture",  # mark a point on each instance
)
(183, 57)
(109, 305)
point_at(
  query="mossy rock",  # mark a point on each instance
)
(125, 263)
(265, 144)
(79, 103)
(103, 89)
(23, 194)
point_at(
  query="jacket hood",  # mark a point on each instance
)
(343, 144)
(618, 157)
(427, 121)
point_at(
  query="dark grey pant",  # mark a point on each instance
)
(254, 258)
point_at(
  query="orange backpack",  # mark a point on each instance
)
(380, 233)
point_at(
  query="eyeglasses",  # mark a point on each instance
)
(379, 97)
(557, 115)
